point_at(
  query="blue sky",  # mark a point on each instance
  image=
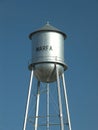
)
(79, 20)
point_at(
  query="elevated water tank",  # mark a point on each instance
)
(47, 52)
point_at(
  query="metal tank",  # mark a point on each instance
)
(47, 53)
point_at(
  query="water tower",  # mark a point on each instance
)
(47, 66)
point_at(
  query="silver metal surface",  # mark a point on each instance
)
(37, 106)
(66, 101)
(47, 49)
(46, 72)
(60, 101)
(47, 46)
(48, 106)
(28, 101)
(48, 27)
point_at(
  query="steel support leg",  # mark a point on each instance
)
(37, 106)
(60, 101)
(66, 101)
(28, 101)
(47, 106)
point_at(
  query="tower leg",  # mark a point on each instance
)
(66, 101)
(47, 106)
(37, 106)
(28, 101)
(60, 101)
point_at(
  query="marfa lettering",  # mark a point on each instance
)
(44, 48)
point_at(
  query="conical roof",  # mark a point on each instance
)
(48, 27)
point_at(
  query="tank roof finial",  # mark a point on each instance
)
(47, 23)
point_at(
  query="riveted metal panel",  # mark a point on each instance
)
(47, 46)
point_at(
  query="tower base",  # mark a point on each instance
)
(48, 111)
